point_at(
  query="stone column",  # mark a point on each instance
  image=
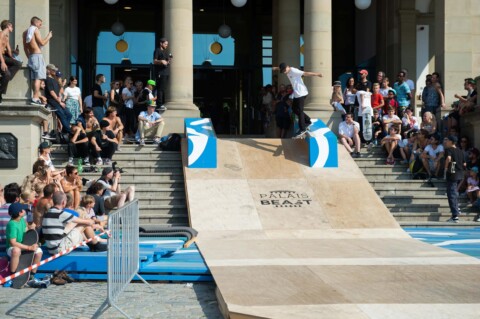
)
(179, 32)
(318, 58)
(457, 37)
(287, 35)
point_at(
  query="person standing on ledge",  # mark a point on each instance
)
(161, 62)
(300, 92)
(32, 45)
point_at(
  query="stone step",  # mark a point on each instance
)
(412, 192)
(445, 224)
(433, 217)
(132, 164)
(416, 199)
(438, 207)
(125, 156)
(373, 175)
(382, 168)
(176, 206)
(164, 219)
(370, 161)
(406, 184)
(145, 179)
(62, 148)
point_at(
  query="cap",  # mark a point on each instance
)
(107, 170)
(452, 138)
(104, 123)
(282, 66)
(363, 72)
(470, 81)
(15, 209)
(151, 82)
(474, 169)
(150, 103)
(44, 145)
(58, 74)
(52, 67)
(393, 91)
(337, 83)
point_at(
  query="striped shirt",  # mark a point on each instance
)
(53, 226)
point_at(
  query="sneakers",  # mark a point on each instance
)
(46, 136)
(355, 154)
(300, 133)
(99, 161)
(478, 219)
(156, 140)
(36, 102)
(70, 161)
(86, 161)
(63, 275)
(56, 280)
(453, 220)
(142, 142)
(108, 161)
(162, 108)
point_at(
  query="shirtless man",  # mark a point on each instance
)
(32, 44)
(88, 122)
(8, 65)
(116, 125)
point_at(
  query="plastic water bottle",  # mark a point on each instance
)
(80, 166)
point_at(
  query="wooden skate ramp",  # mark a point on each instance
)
(283, 240)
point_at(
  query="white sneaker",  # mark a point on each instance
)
(452, 220)
(108, 161)
(99, 161)
(478, 219)
(156, 140)
(142, 142)
(70, 161)
(86, 161)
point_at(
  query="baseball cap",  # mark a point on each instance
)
(151, 82)
(452, 138)
(106, 171)
(470, 81)
(363, 72)
(104, 123)
(337, 83)
(282, 66)
(15, 209)
(52, 67)
(393, 91)
(44, 145)
(58, 74)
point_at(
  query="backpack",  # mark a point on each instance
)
(416, 169)
(172, 143)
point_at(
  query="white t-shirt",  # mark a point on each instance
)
(433, 152)
(384, 91)
(348, 129)
(386, 118)
(295, 77)
(88, 101)
(406, 122)
(349, 97)
(129, 102)
(72, 93)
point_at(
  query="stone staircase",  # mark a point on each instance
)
(157, 177)
(411, 202)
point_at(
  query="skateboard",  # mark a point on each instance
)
(367, 126)
(26, 259)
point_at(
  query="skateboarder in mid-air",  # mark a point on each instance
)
(17, 247)
(300, 92)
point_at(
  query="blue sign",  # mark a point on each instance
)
(202, 143)
(322, 145)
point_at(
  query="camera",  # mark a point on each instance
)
(117, 169)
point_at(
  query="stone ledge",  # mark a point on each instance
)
(21, 110)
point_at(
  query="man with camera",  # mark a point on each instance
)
(454, 171)
(113, 195)
(161, 62)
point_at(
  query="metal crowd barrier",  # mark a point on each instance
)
(123, 252)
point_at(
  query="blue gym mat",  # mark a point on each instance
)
(463, 240)
(161, 259)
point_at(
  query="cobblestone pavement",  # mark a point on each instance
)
(84, 300)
